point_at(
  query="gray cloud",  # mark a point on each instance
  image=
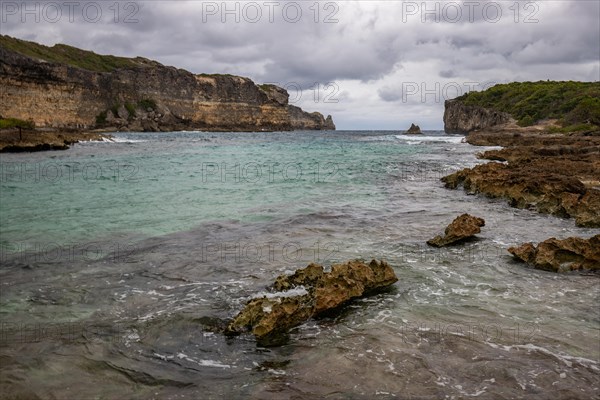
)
(370, 52)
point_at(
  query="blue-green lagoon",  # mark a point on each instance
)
(121, 259)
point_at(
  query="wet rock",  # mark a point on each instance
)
(462, 228)
(309, 292)
(561, 255)
(414, 130)
(553, 174)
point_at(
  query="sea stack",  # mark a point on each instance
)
(414, 130)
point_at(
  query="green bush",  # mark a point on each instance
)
(16, 123)
(147, 103)
(130, 109)
(101, 118)
(528, 102)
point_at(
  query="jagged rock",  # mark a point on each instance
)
(309, 292)
(461, 228)
(561, 255)
(414, 130)
(461, 118)
(122, 112)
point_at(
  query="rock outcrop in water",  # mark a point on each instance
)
(85, 90)
(460, 118)
(463, 227)
(561, 255)
(553, 174)
(414, 130)
(309, 292)
(13, 141)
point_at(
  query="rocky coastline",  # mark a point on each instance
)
(63, 87)
(552, 173)
(537, 169)
(30, 140)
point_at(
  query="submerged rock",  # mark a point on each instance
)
(561, 255)
(309, 292)
(414, 130)
(461, 228)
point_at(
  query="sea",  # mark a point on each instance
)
(121, 261)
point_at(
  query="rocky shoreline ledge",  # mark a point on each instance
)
(20, 141)
(555, 174)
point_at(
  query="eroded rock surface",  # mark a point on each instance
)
(561, 255)
(462, 228)
(309, 292)
(553, 174)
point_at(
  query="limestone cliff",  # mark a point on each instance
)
(575, 106)
(462, 118)
(138, 94)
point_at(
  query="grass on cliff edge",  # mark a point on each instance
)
(572, 103)
(63, 54)
(6, 123)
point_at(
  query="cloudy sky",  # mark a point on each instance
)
(370, 64)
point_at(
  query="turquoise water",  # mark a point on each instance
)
(151, 185)
(120, 258)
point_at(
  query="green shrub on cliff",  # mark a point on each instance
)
(573, 103)
(63, 54)
(147, 103)
(6, 123)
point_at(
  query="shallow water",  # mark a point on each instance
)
(120, 259)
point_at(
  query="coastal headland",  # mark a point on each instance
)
(66, 89)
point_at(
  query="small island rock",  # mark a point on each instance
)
(414, 130)
(461, 228)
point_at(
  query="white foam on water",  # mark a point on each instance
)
(298, 291)
(566, 359)
(425, 138)
(203, 363)
(118, 140)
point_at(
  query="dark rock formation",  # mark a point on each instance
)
(552, 174)
(460, 118)
(561, 255)
(462, 228)
(59, 95)
(414, 130)
(13, 141)
(309, 292)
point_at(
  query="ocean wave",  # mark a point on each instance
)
(424, 138)
(120, 140)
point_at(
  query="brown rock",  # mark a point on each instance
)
(52, 94)
(414, 130)
(461, 228)
(309, 292)
(561, 255)
(554, 174)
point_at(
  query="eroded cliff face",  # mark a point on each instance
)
(461, 118)
(56, 95)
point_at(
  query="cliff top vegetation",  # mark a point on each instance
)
(574, 104)
(72, 56)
